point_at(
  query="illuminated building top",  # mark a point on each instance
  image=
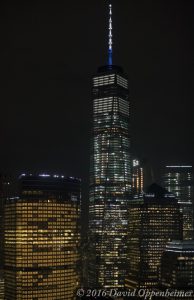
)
(51, 176)
(110, 174)
(42, 239)
(110, 42)
(178, 166)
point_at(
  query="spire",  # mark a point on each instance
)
(110, 43)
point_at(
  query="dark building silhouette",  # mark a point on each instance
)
(110, 175)
(179, 181)
(177, 265)
(177, 268)
(42, 238)
(154, 221)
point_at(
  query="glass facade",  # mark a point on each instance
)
(42, 237)
(154, 221)
(110, 178)
(179, 181)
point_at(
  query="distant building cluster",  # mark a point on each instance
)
(179, 181)
(140, 238)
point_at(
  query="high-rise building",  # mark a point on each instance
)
(179, 181)
(177, 265)
(42, 238)
(137, 178)
(6, 191)
(110, 175)
(154, 221)
(1, 285)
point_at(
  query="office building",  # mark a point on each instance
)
(6, 191)
(110, 175)
(1, 285)
(42, 238)
(177, 265)
(179, 181)
(154, 221)
(137, 178)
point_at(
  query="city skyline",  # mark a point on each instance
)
(46, 122)
(97, 103)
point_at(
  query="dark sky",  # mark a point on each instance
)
(50, 50)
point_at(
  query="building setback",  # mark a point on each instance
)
(42, 238)
(154, 221)
(110, 175)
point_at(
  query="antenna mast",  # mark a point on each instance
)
(110, 42)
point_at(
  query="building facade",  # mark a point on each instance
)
(154, 221)
(6, 192)
(110, 176)
(42, 237)
(177, 265)
(137, 178)
(179, 181)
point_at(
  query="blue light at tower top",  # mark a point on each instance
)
(110, 42)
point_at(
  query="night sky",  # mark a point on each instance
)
(49, 52)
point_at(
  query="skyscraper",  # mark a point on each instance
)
(6, 191)
(137, 178)
(42, 237)
(110, 174)
(154, 221)
(179, 181)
